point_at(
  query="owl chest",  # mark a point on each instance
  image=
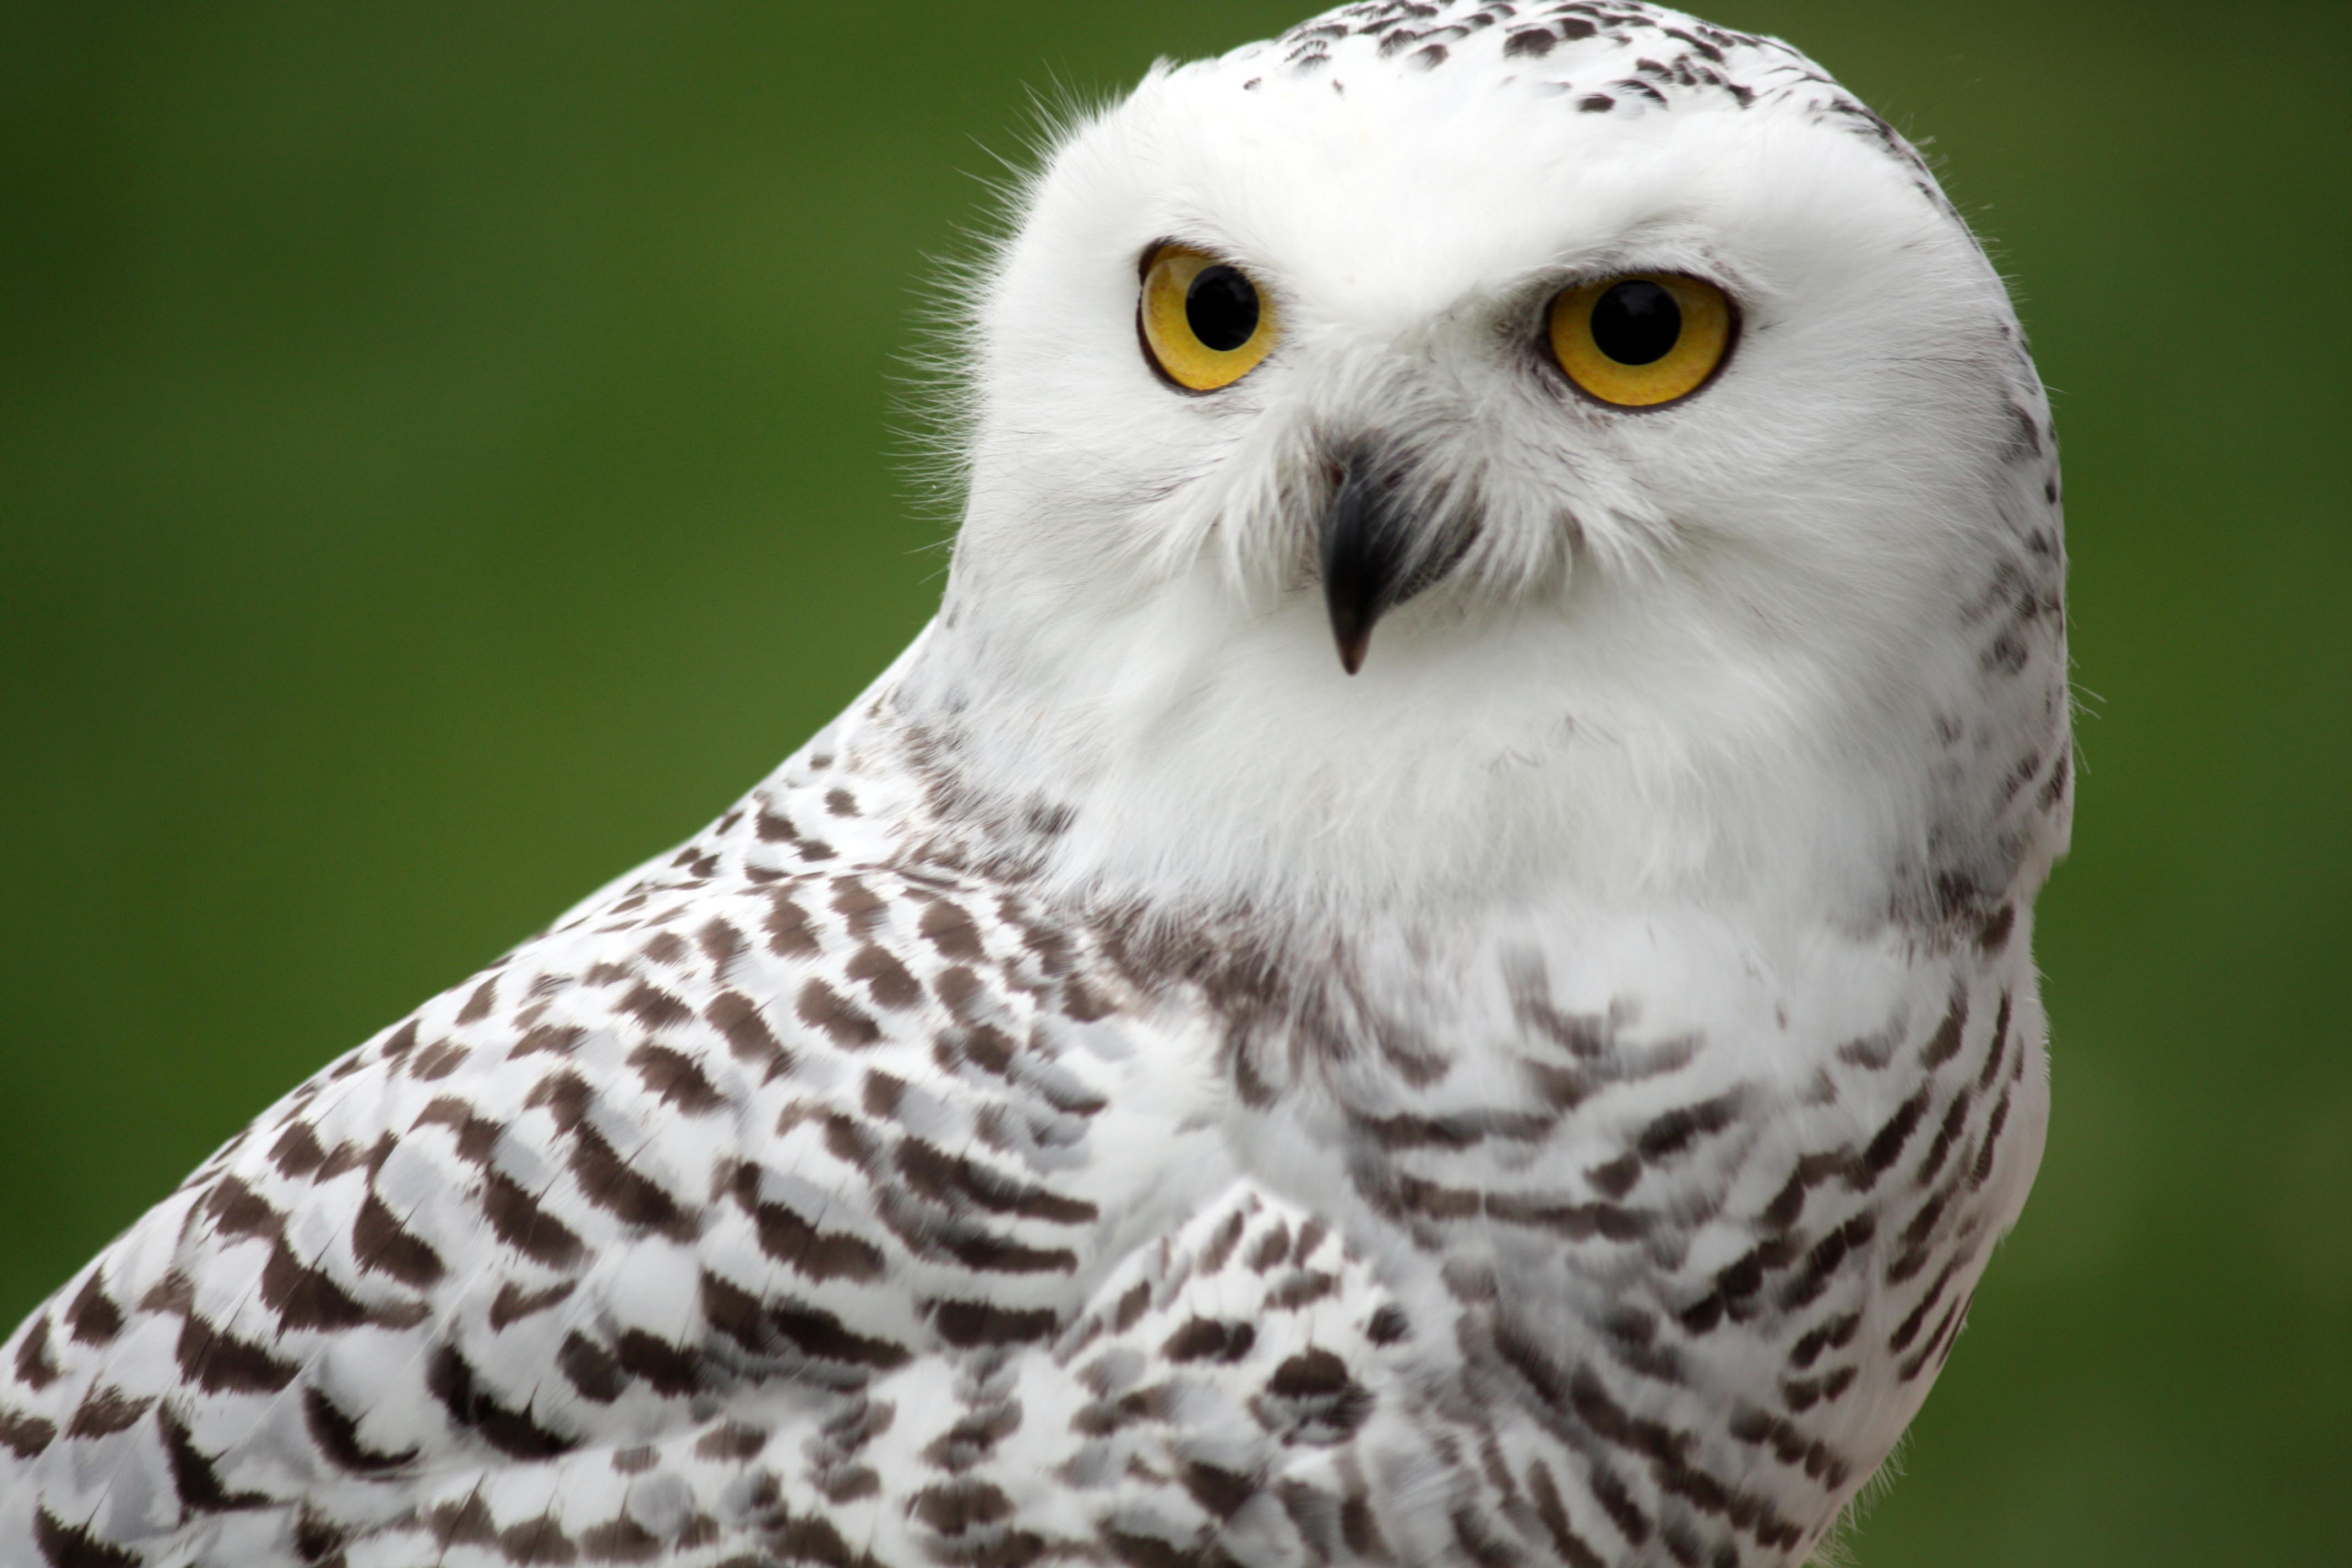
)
(1756, 1232)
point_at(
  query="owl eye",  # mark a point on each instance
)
(1642, 341)
(1205, 324)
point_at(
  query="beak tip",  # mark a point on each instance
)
(1351, 635)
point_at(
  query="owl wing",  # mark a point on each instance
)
(847, 1213)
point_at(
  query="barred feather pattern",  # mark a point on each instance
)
(799, 1204)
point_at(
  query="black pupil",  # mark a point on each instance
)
(1637, 322)
(1221, 307)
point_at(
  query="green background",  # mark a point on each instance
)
(446, 452)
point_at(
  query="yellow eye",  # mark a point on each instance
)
(1641, 341)
(1204, 322)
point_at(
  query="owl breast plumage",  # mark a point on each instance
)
(1068, 1111)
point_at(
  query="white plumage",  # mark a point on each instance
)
(1133, 1091)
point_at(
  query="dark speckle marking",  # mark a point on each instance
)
(1887, 1146)
(1982, 1173)
(522, 1225)
(789, 932)
(25, 1435)
(720, 943)
(1573, 1549)
(969, 1324)
(1617, 1177)
(514, 1303)
(1825, 1259)
(858, 905)
(737, 1019)
(37, 1367)
(1955, 1118)
(437, 1060)
(93, 1319)
(948, 929)
(823, 1007)
(1946, 1042)
(305, 1298)
(1675, 1131)
(656, 1008)
(66, 1545)
(298, 1152)
(548, 1038)
(381, 1245)
(1995, 1046)
(886, 979)
(1210, 1338)
(614, 1186)
(237, 1210)
(1316, 1384)
(477, 1007)
(792, 1240)
(731, 1441)
(1834, 1335)
(674, 1076)
(194, 1476)
(219, 1363)
(476, 1134)
(105, 1411)
(452, 1380)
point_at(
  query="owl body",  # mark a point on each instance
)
(805, 1188)
(1138, 1089)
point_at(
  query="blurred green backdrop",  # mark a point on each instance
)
(446, 452)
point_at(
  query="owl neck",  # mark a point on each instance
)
(1179, 757)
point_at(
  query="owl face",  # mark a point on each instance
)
(1395, 248)
(1634, 390)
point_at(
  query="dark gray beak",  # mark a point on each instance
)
(1376, 552)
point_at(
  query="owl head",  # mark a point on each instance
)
(1451, 444)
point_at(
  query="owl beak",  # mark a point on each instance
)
(1376, 552)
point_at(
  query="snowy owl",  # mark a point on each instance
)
(1427, 964)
